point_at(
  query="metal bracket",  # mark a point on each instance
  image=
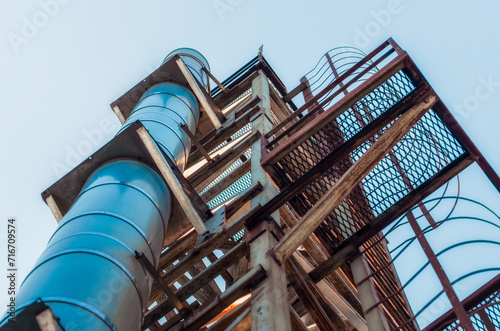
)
(172, 181)
(212, 77)
(161, 284)
(200, 93)
(214, 226)
(197, 202)
(293, 93)
(196, 142)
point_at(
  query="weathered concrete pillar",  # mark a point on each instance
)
(375, 318)
(269, 307)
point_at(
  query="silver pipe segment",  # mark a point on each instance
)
(195, 62)
(88, 274)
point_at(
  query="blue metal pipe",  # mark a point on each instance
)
(88, 274)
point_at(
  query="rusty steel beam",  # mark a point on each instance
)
(208, 172)
(458, 307)
(211, 309)
(311, 298)
(467, 143)
(196, 143)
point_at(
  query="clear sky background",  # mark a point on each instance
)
(63, 62)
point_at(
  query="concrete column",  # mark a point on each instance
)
(368, 296)
(269, 307)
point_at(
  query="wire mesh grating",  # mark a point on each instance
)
(491, 309)
(232, 190)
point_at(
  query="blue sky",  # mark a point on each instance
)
(63, 62)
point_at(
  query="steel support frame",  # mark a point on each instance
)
(202, 96)
(172, 181)
(271, 203)
(344, 186)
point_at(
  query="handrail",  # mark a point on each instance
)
(327, 100)
(327, 89)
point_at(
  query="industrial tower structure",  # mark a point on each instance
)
(232, 209)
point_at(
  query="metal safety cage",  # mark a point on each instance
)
(312, 149)
(313, 153)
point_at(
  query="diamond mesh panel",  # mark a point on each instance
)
(492, 308)
(425, 150)
(233, 190)
(347, 124)
(238, 236)
(229, 169)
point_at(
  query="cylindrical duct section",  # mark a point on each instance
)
(194, 61)
(88, 274)
(162, 109)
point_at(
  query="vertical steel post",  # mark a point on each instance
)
(459, 309)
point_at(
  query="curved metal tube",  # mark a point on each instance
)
(88, 274)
